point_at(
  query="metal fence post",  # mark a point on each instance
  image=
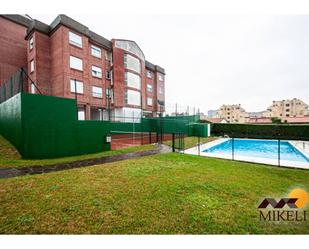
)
(173, 142)
(21, 80)
(11, 84)
(279, 150)
(199, 145)
(233, 148)
(4, 91)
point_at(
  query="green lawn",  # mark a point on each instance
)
(10, 158)
(161, 194)
(192, 141)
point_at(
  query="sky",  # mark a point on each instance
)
(212, 60)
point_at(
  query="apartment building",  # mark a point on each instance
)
(212, 113)
(287, 108)
(233, 113)
(109, 78)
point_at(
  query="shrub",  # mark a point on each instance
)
(271, 131)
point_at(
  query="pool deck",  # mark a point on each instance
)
(291, 164)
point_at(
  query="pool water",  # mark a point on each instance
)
(259, 148)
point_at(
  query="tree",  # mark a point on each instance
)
(276, 120)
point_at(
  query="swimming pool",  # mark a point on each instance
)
(259, 148)
(292, 153)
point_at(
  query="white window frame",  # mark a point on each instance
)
(73, 39)
(96, 51)
(149, 101)
(132, 58)
(32, 88)
(96, 71)
(138, 102)
(129, 82)
(160, 89)
(149, 88)
(31, 43)
(81, 113)
(149, 74)
(97, 92)
(79, 86)
(76, 63)
(161, 77)
(32, 66)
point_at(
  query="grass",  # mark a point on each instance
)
(7, 151)
(161, 194)
(10, 158)
(192, 141)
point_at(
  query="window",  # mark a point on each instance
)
(75, 39)
(133, 97)
(32, 88)
(149, 74)
(287, 110)
(96, 71)
(97, 92)
(161, 77)
(131, 47)
(31, 43)
(149, 101)
(97, 114)
(31, 66)
(95, 51)
(160, 90)
(81, 113)
(108, 56)
(149, 88)
(108, 74)
(76, 63)
(132, 63)
(132, 80)
(79, 86)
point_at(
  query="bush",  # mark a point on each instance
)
(271, 131)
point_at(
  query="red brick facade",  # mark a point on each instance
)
(50, 52)
(13, 48)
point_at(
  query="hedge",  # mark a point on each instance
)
(271, 131)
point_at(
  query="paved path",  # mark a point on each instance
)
(13, 172)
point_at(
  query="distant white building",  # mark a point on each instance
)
(212, 114)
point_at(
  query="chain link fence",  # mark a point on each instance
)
(18, 82)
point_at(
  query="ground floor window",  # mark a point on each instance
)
(81, 113)
(32, 88)
(98, 114)
(149, 101)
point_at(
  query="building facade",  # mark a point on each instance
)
(212, 113)
(111, 79)
(287, 108)
(233, 113)
(13, 46)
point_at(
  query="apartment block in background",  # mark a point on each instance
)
(109, 78)
(287, 108)
(233, 113)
